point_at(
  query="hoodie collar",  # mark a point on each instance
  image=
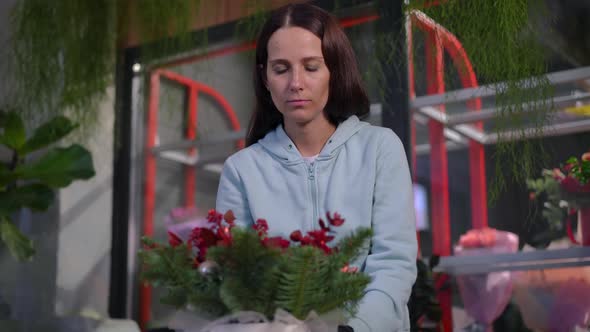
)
(279, 144)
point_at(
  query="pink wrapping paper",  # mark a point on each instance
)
(486, 295)
(181, 221)
(555, 300)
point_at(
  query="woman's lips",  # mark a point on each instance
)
(298, 102)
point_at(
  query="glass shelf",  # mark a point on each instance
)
(520, 261)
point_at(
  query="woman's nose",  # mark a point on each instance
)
(296, 80)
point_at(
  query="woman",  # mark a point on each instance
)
(308, 153)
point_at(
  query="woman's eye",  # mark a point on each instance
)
(279, 70)
(311, 68)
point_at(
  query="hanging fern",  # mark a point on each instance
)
(65, 51)
(502, 46)
(64, 55)
(248, 27)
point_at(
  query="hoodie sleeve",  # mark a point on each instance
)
(391, 262)
(231, 194)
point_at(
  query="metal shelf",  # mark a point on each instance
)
(573, 93)
(520, 261)
(556, 78)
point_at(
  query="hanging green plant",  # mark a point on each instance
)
(248, 27)
(65, 51)
(26, 183)
(502, 46)
(65, 54)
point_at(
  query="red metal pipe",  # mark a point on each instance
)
(477, 166)
(352, 21)
(439, 180)
(437, 36)
(145, 295)
(218, 97)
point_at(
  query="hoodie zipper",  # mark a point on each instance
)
(314, 194)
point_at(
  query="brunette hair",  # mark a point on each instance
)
(346, 93)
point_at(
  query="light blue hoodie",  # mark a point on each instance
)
(362, 174)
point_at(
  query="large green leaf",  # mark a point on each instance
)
(19, 245)
(14, 135)
(35, 196)
(59, 167)
(48, 133)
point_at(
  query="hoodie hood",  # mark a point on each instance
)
(280, 145)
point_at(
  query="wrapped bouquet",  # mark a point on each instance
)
(485, 295)
(231, 277)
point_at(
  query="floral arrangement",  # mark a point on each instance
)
(222, 269)
(494, 287)
(563, 190)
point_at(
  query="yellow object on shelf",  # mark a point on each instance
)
(583, 110)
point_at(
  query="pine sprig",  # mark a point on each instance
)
(345, 289)
(349, 247)
(303, 281)
(248, 271)
(171, 268)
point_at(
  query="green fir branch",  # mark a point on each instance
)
(302, 281)
(248, 270)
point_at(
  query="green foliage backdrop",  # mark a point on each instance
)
(65, 53)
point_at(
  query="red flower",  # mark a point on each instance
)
(572, 185)
(214, 217)
(276, 242)
(296, 236)
(306, 240)
(229, 217)
(319, 239)
(261, 226)
(337, 220)
(174, 240)
(203, 237)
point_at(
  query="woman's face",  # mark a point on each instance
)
(297, 77)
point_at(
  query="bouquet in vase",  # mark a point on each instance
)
(565, 191)
(231, 275)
